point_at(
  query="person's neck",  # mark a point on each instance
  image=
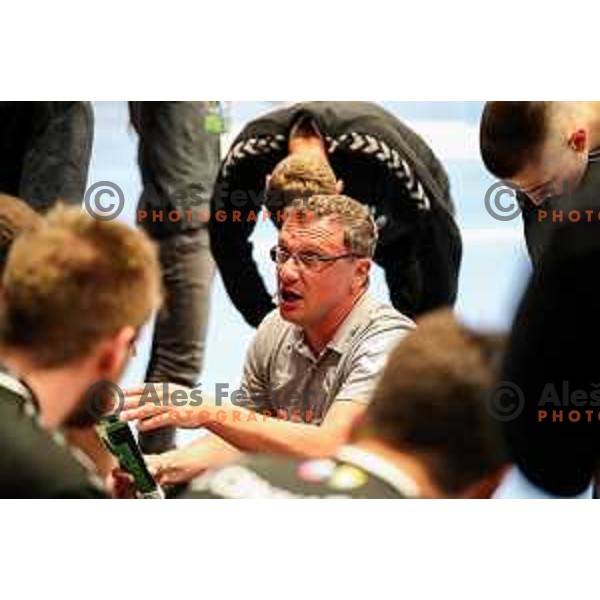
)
(56, 390)
(406, 463)
(308, 145)
(319, 336)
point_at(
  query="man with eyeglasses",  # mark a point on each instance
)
(311, 368)
(326, 148)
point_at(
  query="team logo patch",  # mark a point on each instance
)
(347, 477)
(316, 471)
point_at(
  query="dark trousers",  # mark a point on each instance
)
(178, 162)
(45, 150)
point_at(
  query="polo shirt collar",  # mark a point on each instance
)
(345, 332)
(355, 319)
(12, 383)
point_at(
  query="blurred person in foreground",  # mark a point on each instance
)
(426, 434)
(550, 153)
(16, 217)
(554, 429)
(107, 275)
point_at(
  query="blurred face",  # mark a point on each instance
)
(560, 167)
(316, 294)
(107, 364)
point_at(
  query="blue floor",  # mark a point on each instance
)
(494, 267)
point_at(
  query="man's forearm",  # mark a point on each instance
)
(258, 432)
(212, 450)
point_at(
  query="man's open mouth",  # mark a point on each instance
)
(290, 296)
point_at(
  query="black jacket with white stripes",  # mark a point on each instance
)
(383, 164)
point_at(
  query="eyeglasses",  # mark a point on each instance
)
(306, 260)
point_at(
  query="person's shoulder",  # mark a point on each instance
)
(372, 120)
(382, 315)
(273, 324)
(271, 123)
(254, 477)
(38, 464)
(351, 111)
(261, 476)
(279, 477)
(272, 330)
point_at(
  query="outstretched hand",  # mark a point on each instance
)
(165, 406)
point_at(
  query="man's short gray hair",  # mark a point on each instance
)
(360, 231)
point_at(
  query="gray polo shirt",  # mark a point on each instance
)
(282, 373)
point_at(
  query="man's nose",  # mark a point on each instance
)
(288, 271)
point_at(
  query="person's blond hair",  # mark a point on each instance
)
(15, 217)
(74, 281)
(299, 176)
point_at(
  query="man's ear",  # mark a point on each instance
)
(579, 140)
(363, 266)
(339, 186)
(114, 353)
